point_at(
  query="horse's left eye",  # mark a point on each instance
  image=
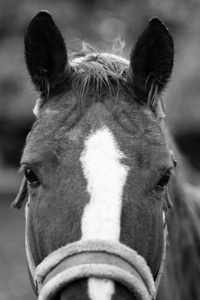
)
(31, 177)
(164, 180)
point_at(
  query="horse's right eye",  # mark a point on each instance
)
(31, 177)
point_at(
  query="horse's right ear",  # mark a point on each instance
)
(45, 52)
(151, 61)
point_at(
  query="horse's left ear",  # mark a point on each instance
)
(151, 60)
(45, 52)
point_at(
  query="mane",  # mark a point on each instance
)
(183, 263)
(96, 74)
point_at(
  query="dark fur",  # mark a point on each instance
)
(45, 53)
(152, 58)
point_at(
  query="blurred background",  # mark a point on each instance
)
(98, 22)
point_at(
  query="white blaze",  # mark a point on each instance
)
(106, 176)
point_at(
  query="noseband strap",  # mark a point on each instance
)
(97, 258)
(93, 259)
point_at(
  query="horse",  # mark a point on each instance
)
(99, 170)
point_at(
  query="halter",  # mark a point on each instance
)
(97, 258)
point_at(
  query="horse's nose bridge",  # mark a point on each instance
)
(98, 115)
(105, 175)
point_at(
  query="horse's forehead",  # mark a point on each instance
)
(65, 130)
(58, 119)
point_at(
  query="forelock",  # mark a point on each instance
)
(98, 73)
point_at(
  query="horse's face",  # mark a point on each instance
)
(96, 161)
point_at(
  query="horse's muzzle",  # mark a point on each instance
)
(97, 259)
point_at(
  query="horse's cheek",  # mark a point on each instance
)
(41, 224)
(155, 247)
(142, 228)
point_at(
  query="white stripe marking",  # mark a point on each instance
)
(100, 289)
(106, 177)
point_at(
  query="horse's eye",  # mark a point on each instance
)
(164, 181)
(31, 177)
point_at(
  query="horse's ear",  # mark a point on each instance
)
(45, 52)
(151, 60)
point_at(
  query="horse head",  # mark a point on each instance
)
(96, 166)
